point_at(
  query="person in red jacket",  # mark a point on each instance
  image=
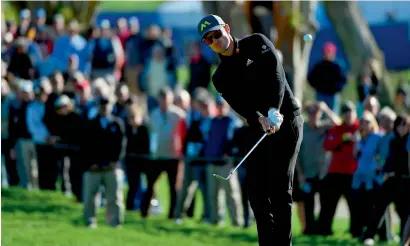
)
(340, 140)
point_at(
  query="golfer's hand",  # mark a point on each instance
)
(266, 125)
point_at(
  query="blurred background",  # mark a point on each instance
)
(109, 117)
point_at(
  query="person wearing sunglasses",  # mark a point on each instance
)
(251, 78)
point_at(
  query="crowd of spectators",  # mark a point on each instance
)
(97, 111)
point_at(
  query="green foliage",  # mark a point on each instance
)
(128, 6)
(10, 11)
(68, 13)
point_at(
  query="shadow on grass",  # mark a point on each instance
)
(47, 202)
(234, 235)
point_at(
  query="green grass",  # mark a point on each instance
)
(41, 218)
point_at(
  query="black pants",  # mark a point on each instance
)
(309, 204)
(334, 186)
(365, 206)
(134, 167)
(76, 172)
(270, 170)
(48, 169)
(11, 165)
(394, 189)
(153, 172)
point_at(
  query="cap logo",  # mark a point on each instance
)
(204, 24)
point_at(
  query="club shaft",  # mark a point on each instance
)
(250, 151)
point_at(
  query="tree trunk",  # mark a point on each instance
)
(290, 19)
(358, 41)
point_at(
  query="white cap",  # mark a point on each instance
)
(25, 86)
(63, 100)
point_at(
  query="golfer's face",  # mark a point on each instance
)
(217, 40)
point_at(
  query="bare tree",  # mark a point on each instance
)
(358, 41)
(292, 20)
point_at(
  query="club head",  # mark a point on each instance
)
(220, 177)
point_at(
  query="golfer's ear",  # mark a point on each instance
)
(227, 28)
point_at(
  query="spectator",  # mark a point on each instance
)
(84, 102)
(40, 23)
(21, 65)
(183, 100)
(396, 182)
(7, 47)
(402, 102)
(7, 164)
(138, 144)
(106, 53)
(155, 76)
(122, 31)
(217, 147)
(70, 130)
(25, 29)
(371, 104)
(168, 130)
(58, 28)
(22, 147)
(70, 44)
(367, 81)
(328, 78)
(133, 54)
(313, 158)
(41, 136)
(105, 143)
(12, 28)
(124, 100)
(386, 120)
(340, 141)
(169, 49)
(199, 69)
(152, 38)
(239, 148)
(195, 173)
(365, 179)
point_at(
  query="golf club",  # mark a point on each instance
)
(240, 163)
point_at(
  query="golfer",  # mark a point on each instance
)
(251, 79)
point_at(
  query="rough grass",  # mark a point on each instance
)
(41, 218)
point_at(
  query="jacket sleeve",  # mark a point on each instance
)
(333, 140)
(274, 82)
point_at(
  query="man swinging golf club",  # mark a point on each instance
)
(251, 79)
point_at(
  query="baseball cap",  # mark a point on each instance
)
(210, 23)
(25, 14)
(25, 85)
(41, 13)
(347, 107)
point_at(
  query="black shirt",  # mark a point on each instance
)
(253, 79)
(398, 160)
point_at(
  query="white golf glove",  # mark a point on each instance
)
(275, 117)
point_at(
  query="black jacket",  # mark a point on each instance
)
(398, 160)
(104, 146)
(138, 142)
(327, 77)
(253, 79)
(194, 135)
